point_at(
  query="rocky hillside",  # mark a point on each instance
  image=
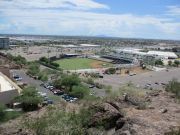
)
(155, 114)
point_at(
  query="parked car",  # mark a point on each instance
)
(42, 94)
(17, 77)
(92, 86)
(47, 86)
(68, 98)
(132, 74)
(101, 76)
(163, 84)
(58, 92)
(156, 83)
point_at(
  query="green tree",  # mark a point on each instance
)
(44, 59)
(29, 99)
(79, 91)
(176, 62)
(33, 69)
(70, 81)
(159, 62)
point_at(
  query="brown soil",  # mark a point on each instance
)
(137, 70)
(96, 64)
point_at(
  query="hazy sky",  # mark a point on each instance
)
(116, 18)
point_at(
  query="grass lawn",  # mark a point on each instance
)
(81, 63)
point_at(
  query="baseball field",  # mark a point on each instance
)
(81, 63)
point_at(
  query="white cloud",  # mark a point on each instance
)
(71, 4)
(82, 22)
(174, 10)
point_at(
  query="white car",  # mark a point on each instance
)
(42, 94)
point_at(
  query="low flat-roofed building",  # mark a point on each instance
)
(8, 89)
(163, 55)
(89, 45)
(4, 43)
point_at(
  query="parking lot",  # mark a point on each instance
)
(155, 80)
(31, 81)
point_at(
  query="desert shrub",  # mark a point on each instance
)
(108, 89)
(174, 87)
(90, 81)
(33, 69)
(43, 76)
(57, 122)
(5, 116)
(110, 71)
(99, 86)
(177, 132)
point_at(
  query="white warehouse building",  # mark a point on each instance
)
(163, 55)
(136, 55)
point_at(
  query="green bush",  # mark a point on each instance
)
(99, 86)
(174, 87)
(173, 133)
(159, 62)
(42, 76)
(5, 116)
(56, 65)
(110, 71)
(176, 63)
(56, 122)
(44, 59)
(29, 99)
(33, 69)
(79, 91)
(90, 81)
(2, 112)
(17, 59)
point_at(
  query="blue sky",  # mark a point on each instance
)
(159, 19)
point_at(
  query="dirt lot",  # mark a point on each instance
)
(137, 70)
(97, 64)
(35, 52)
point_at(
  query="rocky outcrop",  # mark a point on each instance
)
(106, 115)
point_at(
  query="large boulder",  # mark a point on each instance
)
(106, 115)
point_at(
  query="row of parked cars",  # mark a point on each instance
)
(150, 86)
(46, 100)
(58, 92)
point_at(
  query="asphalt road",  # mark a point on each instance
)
(116, 81)
(31, 81)
(143, 79)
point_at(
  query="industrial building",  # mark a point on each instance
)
(4, 43)
(8, 90)
(137, 55)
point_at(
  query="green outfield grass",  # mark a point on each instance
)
(81, 63)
